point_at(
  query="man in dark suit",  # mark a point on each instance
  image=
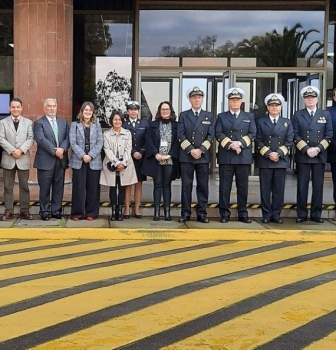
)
(16, 138)
(332, 146)
(235, 130)
(195, 132)
(273, 142)
(312, 134)
(51, 134)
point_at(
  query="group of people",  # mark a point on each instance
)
(166, 149)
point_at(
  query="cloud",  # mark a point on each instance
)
(178, 27)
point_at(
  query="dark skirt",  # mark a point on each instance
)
(138, 168)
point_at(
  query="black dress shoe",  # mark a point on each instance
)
(57, 216)
(265, 221)
(45, 217)
(301, 220)
(184, 219)
(224, 220)
(277, 221)
(203, 219)
(245, 220)
(126, 216)
(318, 220)
(138, 216)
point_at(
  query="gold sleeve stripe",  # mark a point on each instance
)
(247, 140)
(301, 145)
(225, 141)
(185, 144)
(284, 149)
(206, 144)
(264, 150)
(325, 144)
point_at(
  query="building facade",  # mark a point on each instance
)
(153, 50)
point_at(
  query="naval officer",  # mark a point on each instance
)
(235, 131)
(195, 132)
(273, 143)
(312, 134)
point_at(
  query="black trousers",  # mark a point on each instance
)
(333, 175)
(85, 192)
(51, 183)
(303, 175)
(117, 193)
(226, 173)
(202, 187)
(162, 185)
(272, 191)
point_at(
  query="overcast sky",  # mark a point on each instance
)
(177, 28)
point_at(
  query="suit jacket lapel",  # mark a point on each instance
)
(191, 116)
(81, 130)
(11, 124)
(48, 126)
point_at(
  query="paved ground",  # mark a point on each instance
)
(88, 294)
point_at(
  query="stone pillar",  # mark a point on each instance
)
(43, 36)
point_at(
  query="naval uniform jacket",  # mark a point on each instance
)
(312, 132)
(273, 138)
(138, 143)
(195, 132)
(229, 128)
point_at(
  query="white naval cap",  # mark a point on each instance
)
(235, 92)
(310, 91)
(274, 98)
(194, 91)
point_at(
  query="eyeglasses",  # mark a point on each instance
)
(165, 109)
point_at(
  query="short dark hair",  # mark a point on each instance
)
(16, 99)
(113, 114)
(334, 91)
(172, 112)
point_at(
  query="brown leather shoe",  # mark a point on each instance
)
(26, 215)
(7, 216)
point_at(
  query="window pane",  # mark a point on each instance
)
(266, 38)
(102, 61)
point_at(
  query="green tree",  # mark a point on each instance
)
(280, 49)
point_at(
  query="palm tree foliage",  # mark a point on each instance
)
(280, 49)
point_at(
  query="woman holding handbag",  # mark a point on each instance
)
(118, 168)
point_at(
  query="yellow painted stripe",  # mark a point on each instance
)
(265, 324)
(171, 313)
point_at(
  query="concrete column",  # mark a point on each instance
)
(43, 36)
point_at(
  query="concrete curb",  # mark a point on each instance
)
(62, 233)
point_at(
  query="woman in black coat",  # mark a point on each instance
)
(161, 156)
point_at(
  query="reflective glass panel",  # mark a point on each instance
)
(266, 38)
(102, 62)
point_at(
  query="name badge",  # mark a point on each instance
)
(163, 143)
(206, 122)
(246, 121)
(321, 121)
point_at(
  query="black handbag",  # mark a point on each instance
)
(111, 167)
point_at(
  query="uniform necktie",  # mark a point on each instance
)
(312, 114)
(16, 124)
(235, 115)
(196, 114)
(55, 130)
(274, 121)
(133, 124)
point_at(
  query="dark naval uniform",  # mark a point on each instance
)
(195, 132)
(332, 150)
(138, 143)
(230, 128)
(273, 138)
(309, 132)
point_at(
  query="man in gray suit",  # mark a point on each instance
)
(16, 138)
(51, 134)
